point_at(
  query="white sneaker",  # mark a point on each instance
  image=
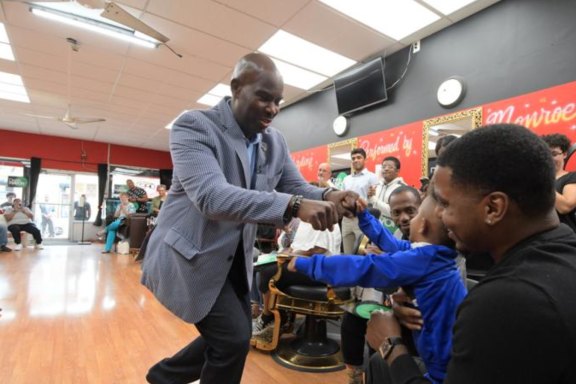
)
(39, 246)
(18, 247)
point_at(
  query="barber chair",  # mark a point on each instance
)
(134, 229)
(313, 351)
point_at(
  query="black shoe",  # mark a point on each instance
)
(105, 251)
(5, 249)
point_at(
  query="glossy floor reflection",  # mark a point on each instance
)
(71, 315)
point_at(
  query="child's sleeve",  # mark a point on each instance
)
(372, 271)
(379, 235)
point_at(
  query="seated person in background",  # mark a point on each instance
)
(20, 218)
(3, 234)
(565, 181)
(82, 209)
(306, 242)
(10, 196)
(124, 209)
(404, 204)
(158, 200)
(425, 265)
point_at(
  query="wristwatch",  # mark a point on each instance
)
(388, 346)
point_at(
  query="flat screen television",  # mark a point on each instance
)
(361, 87)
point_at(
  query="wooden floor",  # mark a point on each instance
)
(71, 315)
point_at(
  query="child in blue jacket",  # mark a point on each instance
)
(425, 265)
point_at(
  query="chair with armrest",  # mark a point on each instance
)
(314, 351)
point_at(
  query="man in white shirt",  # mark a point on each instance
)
(359, 181)
(19, 218)
(379, 197)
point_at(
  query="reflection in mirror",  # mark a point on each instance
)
(440, 128)
(340, 160)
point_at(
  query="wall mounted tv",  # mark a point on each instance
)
(361, 87)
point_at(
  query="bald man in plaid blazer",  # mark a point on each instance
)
(231, 171)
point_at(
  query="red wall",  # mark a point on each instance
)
(64, 154)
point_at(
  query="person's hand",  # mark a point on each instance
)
(345, 202)
(361, 205)
(409, 317)
(292, 265)
(380, 326)
(371, 191)
(321, 215)
(372, 249)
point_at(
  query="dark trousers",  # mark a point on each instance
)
(218, 355)
(15, 230)
(379, 371)
(353, 337)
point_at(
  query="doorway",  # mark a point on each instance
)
(53, 205)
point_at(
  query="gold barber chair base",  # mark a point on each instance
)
(292, 354)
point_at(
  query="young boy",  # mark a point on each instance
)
(425, 265)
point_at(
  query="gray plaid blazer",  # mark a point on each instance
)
(210, 207)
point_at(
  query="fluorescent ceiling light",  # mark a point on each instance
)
(93, 25)
(294, 50)
(298, 77)
(396, 19)
(12, 88)
(3, 34)
(221, 90)
(10, 78)
(448, 6)
(169, 126)
(210, 100)
(14, 97)
(6, 52)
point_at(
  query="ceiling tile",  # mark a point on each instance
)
(275, 12)
(94, 72)
(215, 19)
(170, 102)
(327, 28)
(180, 93)
(46, 86)
(190, 82)
(164, 59)
(143, 69)
(133, 93)
(138, 82)
(427, 31)
(27, 56)
(40, 73)
(193, 43)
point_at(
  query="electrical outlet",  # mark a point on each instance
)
(416, 47)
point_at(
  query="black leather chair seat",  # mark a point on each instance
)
(318, 293)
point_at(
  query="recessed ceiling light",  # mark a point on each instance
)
(298, 77)
(18, 89)
(169, 126)
(221, 90)
(396, 19)
(6, 52)
(3, 34)
(294, 50)
(210, 100)
(448, 6)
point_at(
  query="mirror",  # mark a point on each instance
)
(339, 159)
(455, 124)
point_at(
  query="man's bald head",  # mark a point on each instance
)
(254, 64)
(257, 88)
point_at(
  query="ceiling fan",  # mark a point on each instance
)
(111, 11)
(68, 119)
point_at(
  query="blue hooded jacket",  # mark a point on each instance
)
(430, 270)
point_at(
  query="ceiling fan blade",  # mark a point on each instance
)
(72, 125)
(41, 117)
(86, 120)
(115, 13)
